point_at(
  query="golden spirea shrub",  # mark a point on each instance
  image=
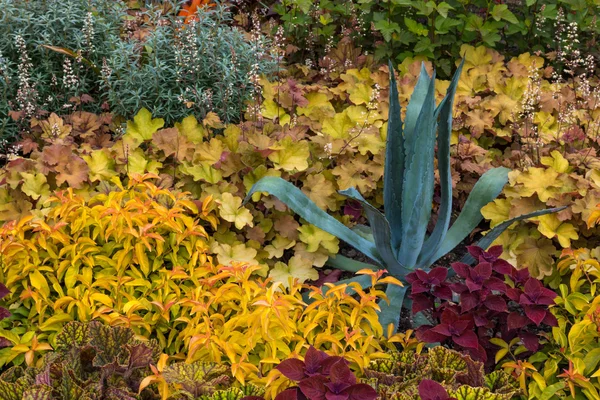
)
(138, 257)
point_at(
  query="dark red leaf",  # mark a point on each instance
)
(439, 274)
(431, 390)
(340, 373)
(467, 339)
(495, 251)
(361, 391)
(475, 251)
(3, 290)
(289, 394)
(292, 368)
(530, 341)
(535, 313)
(496, 303)
(461, 269)
(421, 302)
(550, 319)
(443, 292)
(503, 267)
(314, 387)
(312, 361)
(516, 321)
(328, 362)
(468, 301)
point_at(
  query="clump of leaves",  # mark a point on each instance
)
(206, 381)
(440, 373)
(321, 377)
(398, 239)
(567, 366)
(90, 361)
(485, 306)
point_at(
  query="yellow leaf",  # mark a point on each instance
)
(39, 282)
(557, 162)
(550, 226)
(290, 155)
(231, 210)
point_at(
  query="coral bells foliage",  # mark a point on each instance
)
(322, 377)
(496, 300)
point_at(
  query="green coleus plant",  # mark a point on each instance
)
(398, 240)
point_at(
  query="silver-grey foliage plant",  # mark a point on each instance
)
(53, 50)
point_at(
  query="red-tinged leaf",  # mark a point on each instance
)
(458, 288)
(292, 368)
(496, 303)
(467, 339)
(442, 329)
(495, 251)
(461, 269)
(530, 341)
(289, 394)
(3, 290)
(361, 392)
(314, 387)
(431, 390)
(421, 302)
(341, 374)
(535, 313)
(429, 336)
(513, 294)
(550, 319)
(332, 395)
(443, 292)
(253, 398)
(475, 251)
(468, 301)
(329, 361)
(503, 267)
(312, 361)
(496, 284)
(483, 270)
(516, 321)
(439, 274)
(332, 277)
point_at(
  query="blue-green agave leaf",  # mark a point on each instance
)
(381, 233)
(295, 199)
(433, 243)
(418, 181)
(487, 188)
(496, 231)
(349, 264)
(393, 175)
(390, 313)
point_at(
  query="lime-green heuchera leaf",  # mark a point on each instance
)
(401, 242)
(143, 126)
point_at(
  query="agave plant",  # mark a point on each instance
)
(397, 239)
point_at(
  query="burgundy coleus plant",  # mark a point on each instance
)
(431, 390)
(322, 377)
(495, 300)
(453, 327)
(427, 285)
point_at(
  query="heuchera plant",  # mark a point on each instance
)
(322, 377)
(490, 300)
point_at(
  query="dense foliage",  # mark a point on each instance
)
(402, 30)
(94, 55)
(402, 377)
(140, 226)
